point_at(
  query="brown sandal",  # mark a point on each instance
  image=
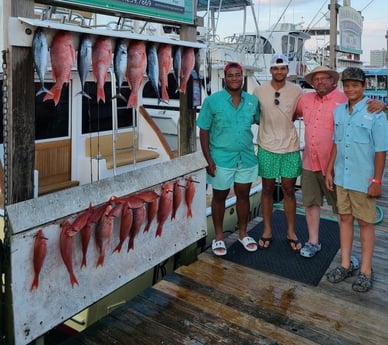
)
(294, 245)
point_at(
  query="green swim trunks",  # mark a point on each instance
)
(274, 165)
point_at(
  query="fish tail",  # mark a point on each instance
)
(147, 227)
(83, 93)
(35, 283)
(100, 261)
(189, 213)
(182, 88)
(73, 279)
(132, 100)
(43, 90)
(159, 230)
(83, 262)
(173, 214)
(118, 248)
(165, 97)
(55, 94)
(121, 96)
(100, 94)
(131, 244)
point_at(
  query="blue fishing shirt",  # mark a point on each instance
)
(358, 136)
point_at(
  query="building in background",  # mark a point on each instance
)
(378, 58)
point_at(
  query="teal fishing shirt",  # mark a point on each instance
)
(230, 134)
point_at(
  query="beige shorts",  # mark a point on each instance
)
(357, 204)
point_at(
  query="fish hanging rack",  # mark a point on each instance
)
(21, 31)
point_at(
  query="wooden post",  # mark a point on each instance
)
(333, 33)
(19, 134)
(187, 126)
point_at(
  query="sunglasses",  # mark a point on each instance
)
(276, 100)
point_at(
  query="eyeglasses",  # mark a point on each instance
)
(323, 79)
(276, 100)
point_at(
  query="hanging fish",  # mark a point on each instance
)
(125, 225)
(188, 62)
(40, 51)
(151, 198)
(62, 54)
(153, 68)
(103, 233)
(84, 61)
(165, 64)
(177, 198)
(139, 215)
(102, 56)
(136, 69)
(177, 65)
(40, 251)
(120, 65)
(165, 207)
(66, 242)
(189, 196)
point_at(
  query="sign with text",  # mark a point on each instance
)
(350, 27)
(181, 11)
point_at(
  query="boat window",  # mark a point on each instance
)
(289, 47)
(98, 117)
(266, 46)
(299, 52)
(51, 121)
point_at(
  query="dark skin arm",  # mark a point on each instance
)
(375, 106)
(204, 140)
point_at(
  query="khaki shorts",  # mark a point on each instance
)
(314, 189)
(357, 204)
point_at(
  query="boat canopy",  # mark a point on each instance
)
(223, 5)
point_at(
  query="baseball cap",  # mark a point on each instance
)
(230, 65)
(353, 73)
(279, 60)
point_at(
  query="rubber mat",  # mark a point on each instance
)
(279, 259)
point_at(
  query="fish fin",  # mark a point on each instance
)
(83, 262)
(147, 227)
(100, 94)
(119, 95)
(132, 100)
(100, 261)
(159, 230)
(35, 283)
(83, 93)
(165, 97)
(73, 279)
(131, 244)
(43, 90)
(55, 94)
(118, 248)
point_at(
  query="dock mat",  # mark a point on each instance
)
(280, 260)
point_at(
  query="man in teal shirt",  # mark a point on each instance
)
(226, 138)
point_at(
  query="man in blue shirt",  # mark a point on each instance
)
(358, 157)
(226, 140)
